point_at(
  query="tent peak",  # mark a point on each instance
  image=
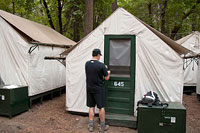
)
(175, 46)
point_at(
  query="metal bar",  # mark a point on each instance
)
(54, 58)
(32, 48)
(192, 56)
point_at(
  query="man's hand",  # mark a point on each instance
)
(108, 77)
(109, 72)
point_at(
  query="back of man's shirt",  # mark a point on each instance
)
(95, 73)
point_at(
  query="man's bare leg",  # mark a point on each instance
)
(91, 113)
(91, 119)
(103, 126)
(102, 115)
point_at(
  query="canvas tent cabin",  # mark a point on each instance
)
(198, 82)
(191, 42)
(155, 64)
(23, 46)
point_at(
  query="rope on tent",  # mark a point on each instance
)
(186, 64)
(193, 65)
(191, 60)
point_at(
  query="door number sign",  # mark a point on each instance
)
(118, 84)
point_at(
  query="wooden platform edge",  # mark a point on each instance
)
(50, 93)
(122, 121)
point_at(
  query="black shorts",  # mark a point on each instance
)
(98, 99)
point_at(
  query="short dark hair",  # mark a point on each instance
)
(95, 52)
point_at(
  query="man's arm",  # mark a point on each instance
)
(108, 76)
(106, 73)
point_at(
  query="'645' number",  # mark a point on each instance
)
(120, 84)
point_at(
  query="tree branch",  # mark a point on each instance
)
(48, 14)
(60, 16)
(178, 26)
(150, 14)
(62, 4)
(163, 11)
(114, 6)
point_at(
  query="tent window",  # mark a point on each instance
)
(119, 58)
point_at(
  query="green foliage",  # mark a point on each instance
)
(73, 13)
(5, 5)
(174, 14)
(102, 9)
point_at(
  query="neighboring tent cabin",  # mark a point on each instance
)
(23, 46)
(191, 42)
(198, 82)
(155, 63)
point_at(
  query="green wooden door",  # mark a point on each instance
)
(119, 56)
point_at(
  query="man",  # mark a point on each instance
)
(96, 72)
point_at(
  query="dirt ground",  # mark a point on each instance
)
(51, 117)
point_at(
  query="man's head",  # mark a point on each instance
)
(96, 53)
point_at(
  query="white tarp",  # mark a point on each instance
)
(45, 75)
(198, 79)
(18, 67)
(158, 66)
(191, 42)
(13, 56)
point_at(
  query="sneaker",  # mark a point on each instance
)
(102, 129)
(90, 128)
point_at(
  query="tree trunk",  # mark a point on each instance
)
(157, 17)
(88, 25)
(76, 23)
(150, 14)
(13, 4)
(178, 26)
(163, 11)
(193, 27)
(76, 32)
(60, 16)
(48, 14)
(114, 6)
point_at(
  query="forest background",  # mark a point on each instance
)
(76, 18)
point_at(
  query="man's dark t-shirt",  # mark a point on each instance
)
(95, 73)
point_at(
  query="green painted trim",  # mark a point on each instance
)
(130, 79)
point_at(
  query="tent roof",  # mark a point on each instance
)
(190, 44)
(175, 46)
(37, 32)
(182, 40)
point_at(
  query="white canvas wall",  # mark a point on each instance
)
(190, 72)
(13, 56)
(18, 67)
(191, 42)
(198, 79)
(45, 75)
(158, 67)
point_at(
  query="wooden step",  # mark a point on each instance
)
(121, 120)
